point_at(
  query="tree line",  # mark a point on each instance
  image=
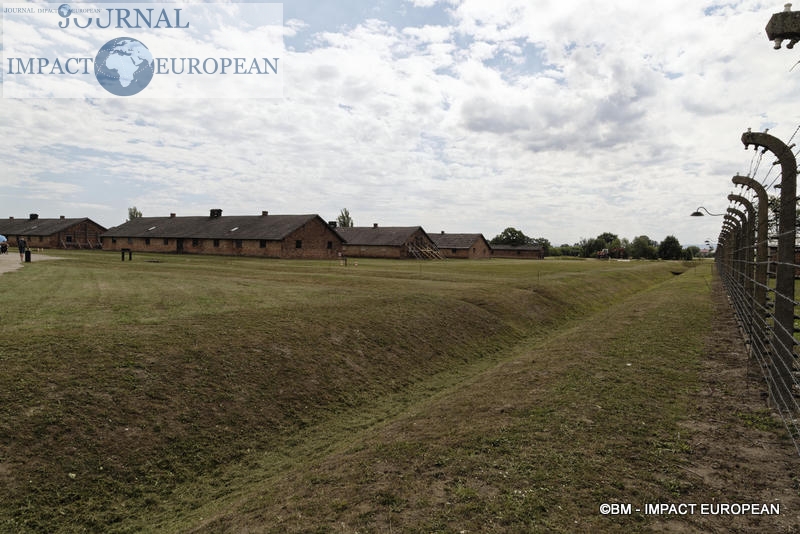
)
(605, 245)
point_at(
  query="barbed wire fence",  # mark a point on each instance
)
(757, 254)
(757, 262)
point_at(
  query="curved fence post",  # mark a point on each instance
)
(783, 330)
(724, 246)
(735, 245)
(762, 216)
(748, 305)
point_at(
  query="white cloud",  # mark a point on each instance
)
(424, 3)
(563, 119)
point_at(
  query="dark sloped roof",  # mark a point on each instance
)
(39, 227)
(516, 247)
(387, 236)
(456, 240)
(270, 227)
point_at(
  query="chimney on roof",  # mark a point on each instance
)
(62, 217)
(264, 213)
(11, 218)
(374, 225)
(442, 232)
(332, 224)
(216, 213)
(171, 215)
(34, 216)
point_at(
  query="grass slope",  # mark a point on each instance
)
(534, 444)
(173, 393)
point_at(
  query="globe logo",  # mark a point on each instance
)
(123, 66)
(64, 10)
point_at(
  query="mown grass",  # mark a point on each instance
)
(535, 444)
(224, 394)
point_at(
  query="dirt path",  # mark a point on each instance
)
(741, 452)
(10, 261)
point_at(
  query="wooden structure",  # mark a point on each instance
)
(530, 252)
(465, 246)
(53, 233)
(270, 236)
(397, 242)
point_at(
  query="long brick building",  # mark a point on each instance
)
(53, 233)
(388, 242)
(531, 252)
(466, 246)
(270, 236)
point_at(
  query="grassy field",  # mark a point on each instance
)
(209, 394)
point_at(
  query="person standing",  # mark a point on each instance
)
(22, 245)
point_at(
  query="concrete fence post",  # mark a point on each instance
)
(762, 216)
(783, 331)
(748, 249)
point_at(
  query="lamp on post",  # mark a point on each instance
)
(698, 214)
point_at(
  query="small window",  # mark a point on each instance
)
(166, 241)
(41, 238)
(216, 242)
(146, 240)
(330, 245)
(113, 240)
(237, 243)
(195, 242)
(262, 243)
(69, 239)
(130, 241)
(453, 250)
(298, 244)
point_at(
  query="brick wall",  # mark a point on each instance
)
(313, 240)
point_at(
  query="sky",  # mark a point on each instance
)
(562, 119)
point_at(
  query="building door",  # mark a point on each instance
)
(179, 242)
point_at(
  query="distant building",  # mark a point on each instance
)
(531, 252)
(53, 233)
(270, 236)
(469, 246)
(396, 242)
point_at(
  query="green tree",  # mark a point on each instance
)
(133, 213)
(618, 248)
(511, 236)
(642, 247)
(774, 210)
(344, 220)
(568, 250)
(670, 249)
(590, 247)
(544, 243)
(608, 238)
